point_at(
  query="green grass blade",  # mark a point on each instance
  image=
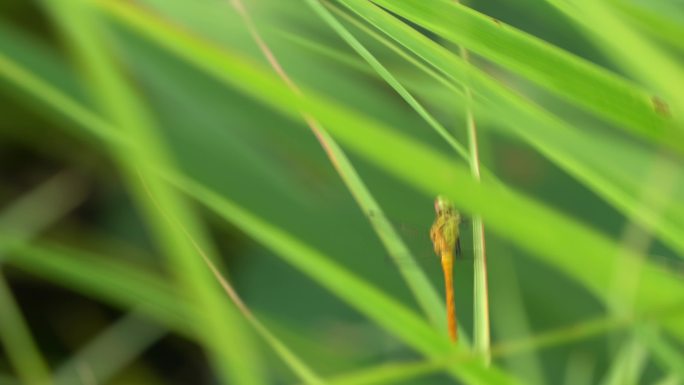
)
(630, 50)
(387, 76)
(582, 156)
(628, 365)
(111, 350)
(383, 310)
(568, 76)
(570, 248)
(21, 349)
(123, 285)
(415, 278)
(669, 357)
(657, 25)
(413, 275)
(23, 219)
(387, 374)
(221, 329)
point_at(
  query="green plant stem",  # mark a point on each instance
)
(481, 332)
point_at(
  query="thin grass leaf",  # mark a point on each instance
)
(668, 380)
(658, 25)
(415, 278)
(413, 275)
(20, 220)
(567, 75)
(570, 248)
(302, 370)
(362, 296)
(22, 351)
(584, 157)
(481, 327)
(111, 350)
(387, 76)
(221, 329)
(630, 50)
(666, 354)
(388, 373)
(628, 365)
(109, 280)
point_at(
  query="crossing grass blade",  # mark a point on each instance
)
(568, 76)
(221, 326)
(595, 160)
(570, 249)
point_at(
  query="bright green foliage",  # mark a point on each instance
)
(172, 108)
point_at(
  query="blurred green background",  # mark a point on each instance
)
(140, 137)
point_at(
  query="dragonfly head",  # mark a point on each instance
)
(443, 206)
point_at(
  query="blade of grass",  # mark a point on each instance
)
(22, 219)
(111, 350)
(87, 271)
(41, 207)
(561, 143)
(667, 355)
(480, 291)
(21, 349)
(289, 358)
(629, 49)
(387, 76)
(629, 364)
(654, 23)
(668, 380)
(121, 104)
(580, 369)
(361, 295)
(416, 280)
(510, 317)
(388, 373)
(571, 248)
(568, 76)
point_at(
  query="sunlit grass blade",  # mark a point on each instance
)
(569, 76)
(423, 291)
(628, 365)
(387, 76)
(570, 247)
(560, 142)
(481, 326)
(658, 25)
(415, 278)
(669, 357)
(221, 329)
(362, 296)
(109, 280)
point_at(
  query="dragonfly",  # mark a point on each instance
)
(444, 234)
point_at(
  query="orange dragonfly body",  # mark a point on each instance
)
(444, 234)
